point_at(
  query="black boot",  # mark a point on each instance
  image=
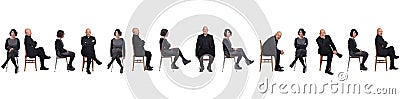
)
(173, 66)
(304, 69)
(237, 67)
(44, 68)
(393, 68)
(16, 69)
(108, 66)
(186, 62)
(88, 71)
(248, 62)
(328, 72)
(209, 69)
(3, 66)
(339, 55)
(121, 70)
(70, 68)
(362, 67)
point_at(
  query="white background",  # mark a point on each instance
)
(45, 17)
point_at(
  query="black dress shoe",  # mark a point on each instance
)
(393, 68)
(186, 62)
(173, 66)
(329, 72)
(70, 68)
(149, 68)
(248, 62)
(108, 66)
(16, 70)
(99, 63)
(121, 70)
(47, 57)
(44, 68)
(396, 57)
(279, 69)
(201, 69)
(209, 70)
(88, 71)
(339, 55)
(362, 67)
(3, 66)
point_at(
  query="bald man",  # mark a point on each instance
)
(326, 47)
(138, 48)
(383, 50)
(32, 52)
(205, 47)
(270, 48)
(88, 41)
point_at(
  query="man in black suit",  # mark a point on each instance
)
(383, 50)
(88, 51)
(326, 45)
(32, 52)
(205, 46)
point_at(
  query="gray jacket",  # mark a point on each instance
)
(269, 47)
(138, 46)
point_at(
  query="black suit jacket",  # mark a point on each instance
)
(381, 45)
(88, 45)
(30, 45)
(205, 45)
(326, 45)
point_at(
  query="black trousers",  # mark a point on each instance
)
(391, 54)
(278, 59)
(41, 54)
(329, 61)
(300, 53)
(148, 57)
(363, 54)
(71, 56)
(11, 56)
(89, 56)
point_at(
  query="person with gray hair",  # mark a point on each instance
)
(270, 48)
(138, 47)
(232, 52)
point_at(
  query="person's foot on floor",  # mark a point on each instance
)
(209, 69)
(16, 70)
(304, 69)
(362, 67)
(279, 69)
(201, 69)
(108, 66)
(393, 68)
(44, 68)
(248, 62)
(88, 71)
(173, 66)
(149, 68)
(237, 67)
(329, 72)
(121, 70)
(186, 62)
(70, 68)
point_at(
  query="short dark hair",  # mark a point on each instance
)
(226, 31)
(60, 33)
(351, 32)
(15, 32)
(163, 32)
(118, 31)
(302, 30)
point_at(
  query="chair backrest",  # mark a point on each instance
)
(226, 50)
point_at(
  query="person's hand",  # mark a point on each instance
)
(11, 49)
(334, 52)
(235, 49)
(282, 52)
(93, 40)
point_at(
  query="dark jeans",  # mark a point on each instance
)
(71, 56)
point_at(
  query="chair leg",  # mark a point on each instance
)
(223, 65)
(348, 64)
(375, 62)
(36, 64)
(159, 67)
(144, 66)
(386, 63)
(320, 62)
(272, 63)
(260, 63)
(25, 65)
(133, 63)
(55, 66)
